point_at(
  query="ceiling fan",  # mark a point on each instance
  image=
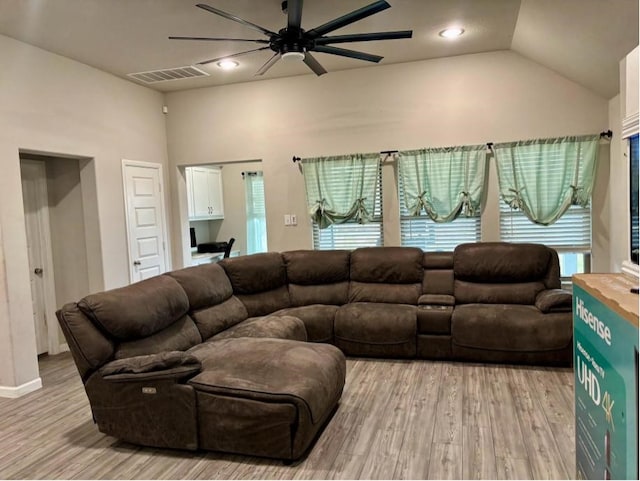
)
(294, 41)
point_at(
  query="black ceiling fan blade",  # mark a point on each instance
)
(348, 53)
(348, 18)
(313, 64)
(269, 63)
(364, 37)
(235, 19)
(214, 39)
(232, 55)
(294, 14)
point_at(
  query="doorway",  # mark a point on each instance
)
(144, 207)
(55, 231)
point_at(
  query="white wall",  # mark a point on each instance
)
(50, 104)
(498, 96)
(623, 111)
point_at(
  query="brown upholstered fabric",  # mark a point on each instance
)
(387, 265)
(264, 303)
(272, 368)
(163, 414)
(137, 310)
(560, 357)
(89, 347)
(335, 294)
(505, 327)
(179, 336)
(491, 293)
(438, 281)
(318, 320)
(433, 347)
(436, 300)
(205, 285)
(310, 267)
(554, 300)
(277, 327)
(255, 273)
(245, 426)
(437, 260)
(389, 293)
(500, 262)
(552, 278)
(272, 403)
(372, 329)
(164, 365)
(434, 319)
(212, 320)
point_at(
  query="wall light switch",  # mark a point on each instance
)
(294, 219)
(287, 219)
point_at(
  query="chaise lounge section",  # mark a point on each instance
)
(248, 356)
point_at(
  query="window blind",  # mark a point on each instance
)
(352, 235)
(256, 212)
(570, 233)
(422, 232)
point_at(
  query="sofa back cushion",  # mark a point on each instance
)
(259, 281)
(438, 273)
(386, 274)
(317, 277)
(213, 306)
(138, 310)
(205, 285)
(502, 273)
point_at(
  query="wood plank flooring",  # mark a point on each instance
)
(397, 420)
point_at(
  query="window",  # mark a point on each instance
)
(633, 196)
(352, 235)
(570, 236)
(256, 213)
(421, 231)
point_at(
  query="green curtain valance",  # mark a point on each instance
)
(544, 177)
(341, 188)
(444, 182)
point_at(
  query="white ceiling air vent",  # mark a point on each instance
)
(155, 76)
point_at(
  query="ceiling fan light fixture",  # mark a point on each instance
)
(296, 56)
(451, 32)
(227, 64)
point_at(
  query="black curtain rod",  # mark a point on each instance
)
(606, 133)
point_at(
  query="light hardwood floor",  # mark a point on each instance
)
(397, 420)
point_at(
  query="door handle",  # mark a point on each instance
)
(136, 263)
(38, 271)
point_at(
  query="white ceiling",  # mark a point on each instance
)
(580, 39)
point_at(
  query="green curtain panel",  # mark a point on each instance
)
(444, 182)
(341, 188)
(544, 177)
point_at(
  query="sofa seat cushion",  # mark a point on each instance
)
(311, 376)
(376, 329)
(318, 320)
(266, 397)
(510, 327)
(275, 327)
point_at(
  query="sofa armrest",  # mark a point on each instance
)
(436, 300)
(165, 365)
(554, 300)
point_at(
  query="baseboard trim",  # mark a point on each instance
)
(18, 391)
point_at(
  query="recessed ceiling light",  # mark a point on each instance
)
(227, 64)
(451, 32)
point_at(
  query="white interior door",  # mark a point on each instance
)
(36, 214)
(145, 219)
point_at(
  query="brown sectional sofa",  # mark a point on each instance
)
(247, 356)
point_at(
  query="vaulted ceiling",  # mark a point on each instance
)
(580, 39)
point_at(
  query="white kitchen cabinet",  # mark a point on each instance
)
(204, 186)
